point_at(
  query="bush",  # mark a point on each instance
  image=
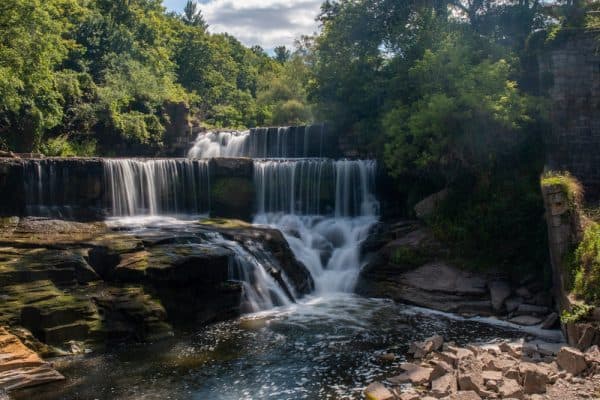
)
(569, 184)
(585, 268)
(62, 146)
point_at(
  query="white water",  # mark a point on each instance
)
(292, 193)
(220, 144)
(260, 291)
(155, 187)
(282, 142)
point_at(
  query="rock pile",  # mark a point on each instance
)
(517, 370)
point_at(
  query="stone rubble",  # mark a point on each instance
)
(533, 370)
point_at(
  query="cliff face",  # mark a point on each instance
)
(570, 71)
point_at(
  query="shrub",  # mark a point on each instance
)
(578, 313)
(62, 146)
(585, 268)
(570, 185)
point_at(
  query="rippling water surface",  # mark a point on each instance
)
(324, 348)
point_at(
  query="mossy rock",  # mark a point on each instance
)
(225, 223)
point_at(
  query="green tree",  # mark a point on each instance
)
(282, 54)
(33, 43)
(192, 15)
(465, 112)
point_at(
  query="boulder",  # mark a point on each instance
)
(571, 360)
(440, 368)
(413, 373)
(421, 349)
(20, 367)
(410, 395)
(463, 395)
(471, 380)
(377, 391)
(429, 204)
(535, 378)
(530, 309)
(499, 292)
(444, 385)
(592, 355)
(491, 375)
(513, 349)
(587, 337)
(510, 388)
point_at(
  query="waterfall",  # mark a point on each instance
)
(41, 196)
(316, 186)
(281, 142)
(152, 187)
(324, 208)
(254, 268)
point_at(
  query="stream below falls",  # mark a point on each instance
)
(321, 348)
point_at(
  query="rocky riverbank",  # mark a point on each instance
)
(532, 370)
(405, 256)
(70, 287)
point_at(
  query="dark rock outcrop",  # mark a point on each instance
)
(408, 264)
(71, 281)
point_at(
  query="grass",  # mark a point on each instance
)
(569, 184)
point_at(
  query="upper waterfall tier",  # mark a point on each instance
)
(283, 142)
(316, 186)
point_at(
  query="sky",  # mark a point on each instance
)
(268, 23)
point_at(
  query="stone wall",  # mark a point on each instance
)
(570, 72)
(564, 233)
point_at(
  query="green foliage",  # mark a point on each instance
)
(32, 44)
(62, 146)
(586, 266)
(466, 111)
(569, 184)
(499, 223)
(577, 314)
(110, 71)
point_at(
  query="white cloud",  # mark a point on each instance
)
(268, 23)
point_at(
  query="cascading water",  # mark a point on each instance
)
(260, 290)
(133, 187)
(325, 209)
(152, 187)
(301, 141)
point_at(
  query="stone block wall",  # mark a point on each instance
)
(570, 72)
